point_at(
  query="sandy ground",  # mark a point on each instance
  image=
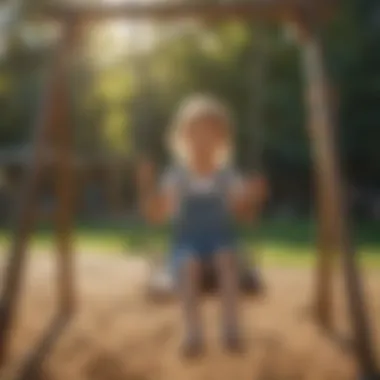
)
(117, 334)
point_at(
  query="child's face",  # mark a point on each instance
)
(205, 138)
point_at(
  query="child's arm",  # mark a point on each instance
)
(248, 197)
(257, 194)
(156, 204)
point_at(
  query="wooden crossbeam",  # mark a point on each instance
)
(253, 9)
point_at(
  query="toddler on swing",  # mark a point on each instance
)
(203, 195)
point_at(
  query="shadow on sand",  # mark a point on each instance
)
(31, 367)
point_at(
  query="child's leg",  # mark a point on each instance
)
(190, 282)
(228, 276)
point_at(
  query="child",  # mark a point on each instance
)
(203, 195)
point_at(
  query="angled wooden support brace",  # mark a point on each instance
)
(49, 115)
(333, 214)
(24, 220)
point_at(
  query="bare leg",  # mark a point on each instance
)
(189, 296)
(227, 270)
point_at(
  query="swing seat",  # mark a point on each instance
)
(161, 285)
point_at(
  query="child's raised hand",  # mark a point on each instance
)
(256, 189)
(246, 203)
(153, 203)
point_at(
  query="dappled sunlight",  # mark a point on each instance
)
(160, 158)
(116, 41)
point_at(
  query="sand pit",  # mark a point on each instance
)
(116, 334)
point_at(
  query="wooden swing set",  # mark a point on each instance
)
(53, 128)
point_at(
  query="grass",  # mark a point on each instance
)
(280, 243)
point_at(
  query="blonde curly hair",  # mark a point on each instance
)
(198, 107)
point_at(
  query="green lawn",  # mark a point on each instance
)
(275, 243)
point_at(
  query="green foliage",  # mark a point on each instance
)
(124, 92)
(272, 243)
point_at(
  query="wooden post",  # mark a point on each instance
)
(65, 171)
(324, 290)
(327, 246)
(319, 114)
(333, 211)
(51, 114)
(25, 216)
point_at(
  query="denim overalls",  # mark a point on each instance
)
(203, 225)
